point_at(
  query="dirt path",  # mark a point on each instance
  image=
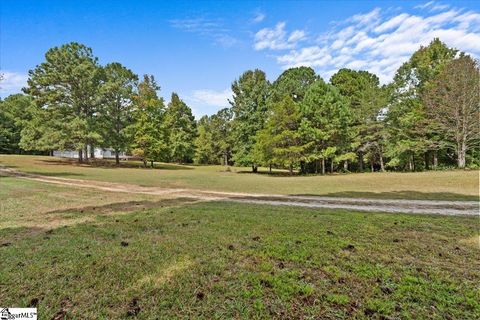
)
(358, 204)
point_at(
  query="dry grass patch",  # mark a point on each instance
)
(473, 242)
(441, 185)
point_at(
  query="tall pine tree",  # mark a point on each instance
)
(325, 123)
(116, 113)
(249, 105)
(149, 138)
(281, 139)
(66, 86)
(180, 128)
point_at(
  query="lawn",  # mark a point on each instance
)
(78, 253)
(441, 185)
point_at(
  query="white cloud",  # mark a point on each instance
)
(212, 97)
(277, 38)
(310, 56)
(378, 41)
(425, 5)
(225, 40)
(296, 36)
(259, 17)
(367, 18)
(392, 23)
(12, 82)
(439, 7)
(213, 29)
(432, 6)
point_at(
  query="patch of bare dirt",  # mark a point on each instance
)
(357, 204)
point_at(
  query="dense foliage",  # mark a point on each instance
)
(426, 118)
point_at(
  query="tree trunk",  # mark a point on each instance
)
(92, 152)
(303, 167)
(270, 168)
(380, 156)
(254, 168)
(86, 154)
(360, 161)
(80, 156)
(225, 159)
(323, 165)
(151, 163)
(345, 166)
(427, 161)
(317, 165)
(290, 168)
(462, 150)
(331, 166)
(435, 159)
(117, 158)
(145, 163)
(371, 166)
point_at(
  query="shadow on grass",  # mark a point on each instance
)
(110, 164)
(11, 235)
(64, 218)
(55, 174)
(128, 206)
(271, 174)
(406, 195)
(11, 166)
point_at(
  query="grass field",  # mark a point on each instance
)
(84, 254)
(441, 185)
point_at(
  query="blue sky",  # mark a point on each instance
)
(197, 48)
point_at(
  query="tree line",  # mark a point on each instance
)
(426, 118)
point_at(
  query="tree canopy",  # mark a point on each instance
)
(66, 85)
(249, 105)
(425, 118)
(116, 113)
(149, 137)
(180, 128)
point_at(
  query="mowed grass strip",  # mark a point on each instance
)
(32, 204)
(209, 260)
(434, 185)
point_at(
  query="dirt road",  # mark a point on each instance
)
(357, 204)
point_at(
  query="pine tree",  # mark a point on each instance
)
(222, 134)
(365, 99)
(15, 113)
(204, 146)
(66, 85)
(181, 131)
(293, 83)
(249, 105)
(325, 122)
(149, 139)
(281, 134)
(116, 113)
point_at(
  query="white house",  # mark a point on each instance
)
(100, 153)
(382, 114)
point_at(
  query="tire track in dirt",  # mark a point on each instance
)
(440, 207)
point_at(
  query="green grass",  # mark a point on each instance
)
(441, 185)
(155, 258)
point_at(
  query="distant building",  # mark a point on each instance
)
(382, 114)
(100, 153)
